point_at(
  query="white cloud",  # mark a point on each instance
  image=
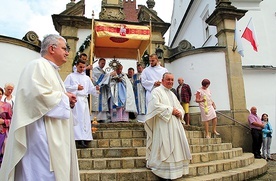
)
(20, 16)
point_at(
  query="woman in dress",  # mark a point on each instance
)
(207, 107)
(5, 119)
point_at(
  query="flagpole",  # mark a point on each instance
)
(91, 55)
(247, 25)
(249, 22)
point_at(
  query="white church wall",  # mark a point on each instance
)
(13, 60)
(260, 87)
(263, 16)
(195, 68)
(194, 25)
(179, 8)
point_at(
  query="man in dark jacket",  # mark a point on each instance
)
(183, 92)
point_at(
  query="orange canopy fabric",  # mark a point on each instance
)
(120, 40)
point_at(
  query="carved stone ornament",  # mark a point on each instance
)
(111, 14)
(184, 45)
(32, 37)
(112, 11)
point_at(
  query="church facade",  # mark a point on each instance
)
(208, 55)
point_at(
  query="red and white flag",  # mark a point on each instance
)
(250, 35)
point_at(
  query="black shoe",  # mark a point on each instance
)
(258, 156)
(81, 144)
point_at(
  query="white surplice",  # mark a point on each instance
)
(149, 76)
(167, 152)
(82, 120)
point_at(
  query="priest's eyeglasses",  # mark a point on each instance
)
(66, 49)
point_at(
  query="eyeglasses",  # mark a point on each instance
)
(67, 48)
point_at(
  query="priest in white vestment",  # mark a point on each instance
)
(122, 97)
(100, 103)
(81, 85)
(152, 75)
(41, 142)
(167, 152)
(140, 95)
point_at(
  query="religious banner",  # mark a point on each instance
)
(120, 40)
(122, 31)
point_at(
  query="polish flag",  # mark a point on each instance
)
(250, 35)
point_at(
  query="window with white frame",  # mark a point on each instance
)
(206, 28)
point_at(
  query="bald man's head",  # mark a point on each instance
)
(180, 81)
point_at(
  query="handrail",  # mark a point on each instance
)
(233, 119)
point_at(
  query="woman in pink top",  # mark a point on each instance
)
(207, 107)
(5, 119)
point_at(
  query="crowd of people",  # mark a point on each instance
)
(41, 127)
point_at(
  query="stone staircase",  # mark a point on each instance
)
(118, 153)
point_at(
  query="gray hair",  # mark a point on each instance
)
(9, 84)
(166, 73)
(51, 39)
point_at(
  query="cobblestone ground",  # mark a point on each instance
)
(271, 173)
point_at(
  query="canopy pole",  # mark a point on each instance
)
(150, 46)
(139, 57)
(91, 56)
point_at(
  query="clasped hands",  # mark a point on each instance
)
(72, 99)
(176, 113)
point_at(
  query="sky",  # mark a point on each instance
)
(20, 16)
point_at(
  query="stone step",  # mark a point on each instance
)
(216, 155)
(210, 147)
(244, 173)
(140, 162)
(120, 126)
(105, 134)
(197, 134)
(111, 152)
(112, 163)
(134, 126)
(143, 174)
(140, 141)
(215, 166)
(119, 134)
(121, 152)
(140, 133)
(204, 141)
(110, 143)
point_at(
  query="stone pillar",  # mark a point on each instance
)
(223, 18)
(71, 36)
